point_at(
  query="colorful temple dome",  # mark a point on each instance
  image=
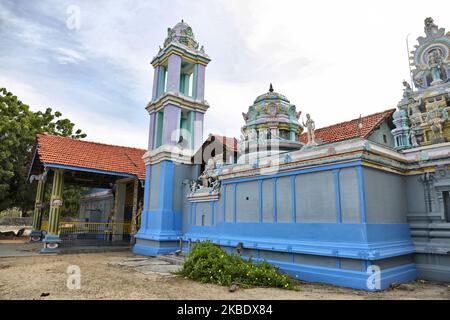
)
(271, 123)
(181, 33)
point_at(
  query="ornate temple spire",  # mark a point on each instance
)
(271, 88)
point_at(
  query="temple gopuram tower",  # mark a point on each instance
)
(422, 118)
(176, 113)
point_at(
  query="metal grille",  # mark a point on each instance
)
(79, 233)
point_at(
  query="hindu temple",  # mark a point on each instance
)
(363, 204)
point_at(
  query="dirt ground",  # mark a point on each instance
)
(30, 277)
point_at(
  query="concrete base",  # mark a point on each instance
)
(434, 273)
(51, 244)
(36, 236)
(154, 248)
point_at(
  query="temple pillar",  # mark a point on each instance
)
(152, 131)
(200, 82)
(173, 73)
(52, 240)
(155, 83)
(161, 81)
(119, 210)
(171, 125)
(198, 130)
(36, 233)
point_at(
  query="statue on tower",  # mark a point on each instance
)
(407, 91)
(310, 126)
(434, 62)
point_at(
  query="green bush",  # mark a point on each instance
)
(208, 263)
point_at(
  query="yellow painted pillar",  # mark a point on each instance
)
(52, 240)
(36, 233)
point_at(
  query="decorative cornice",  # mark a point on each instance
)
(168, 152)
(183, 52)
(177, 99)
(372, 154)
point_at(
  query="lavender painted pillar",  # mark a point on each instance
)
(155, 83)
(171, 124)
(200, 94)
(198, 130)
(151, 131)
(173, 73)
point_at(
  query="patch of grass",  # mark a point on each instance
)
(208, 263)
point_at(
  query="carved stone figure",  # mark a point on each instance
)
(311, 127)
(407, 90)
(211, 165)
(434, 63)
(215, 185)
(413, 139)
(436, 118)
(204, 178)
(194, 186)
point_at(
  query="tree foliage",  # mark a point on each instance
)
(18, 128)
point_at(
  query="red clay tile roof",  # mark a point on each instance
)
(91, 155)
(349, 129)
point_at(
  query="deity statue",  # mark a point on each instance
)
(434, 62)
(436, 118)
(311, 127)
(211, 165)
(194, 186)
(407, 89)
(413, 139)
(204, 178)
(215, 185)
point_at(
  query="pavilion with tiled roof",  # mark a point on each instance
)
(63, 160)
(87, 157)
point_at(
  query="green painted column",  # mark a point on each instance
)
(292, 133)
(36, 233)
(191, 118)
(161, 81)
(51, 240)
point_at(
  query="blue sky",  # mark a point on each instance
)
(333, 59)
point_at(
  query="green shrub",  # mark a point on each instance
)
(208, 263)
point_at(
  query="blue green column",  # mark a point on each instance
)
(52, 240)
(36, 233)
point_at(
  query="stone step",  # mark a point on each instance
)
(173, 259)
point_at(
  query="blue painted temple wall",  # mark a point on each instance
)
(325, 224)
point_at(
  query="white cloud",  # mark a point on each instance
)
(333, 59)
(66, 55)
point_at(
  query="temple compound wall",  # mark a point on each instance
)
(363, 212)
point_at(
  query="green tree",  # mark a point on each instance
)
(18, 128)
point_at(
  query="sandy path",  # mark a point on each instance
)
(28, 277)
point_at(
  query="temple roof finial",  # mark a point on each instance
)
(271, 88)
